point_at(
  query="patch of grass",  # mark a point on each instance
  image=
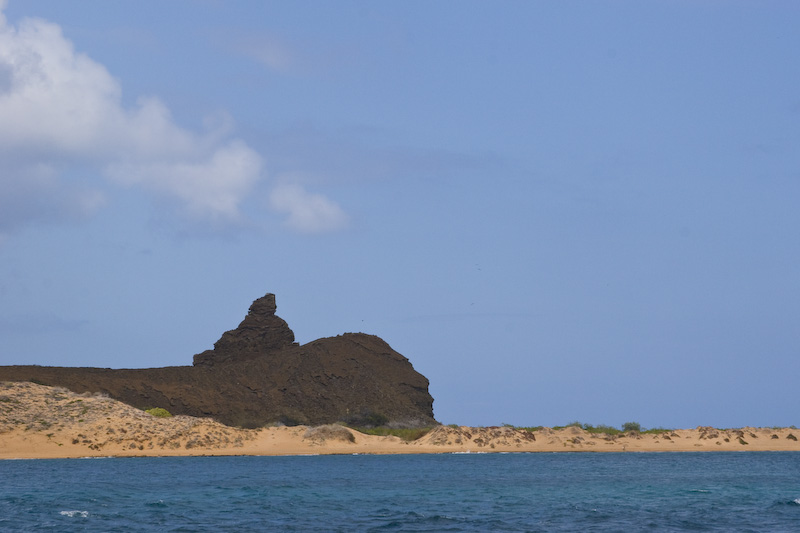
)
(601, 429)
(575, 424)
(608, 430)
(159, 412)
(407, 434)
(656, 431)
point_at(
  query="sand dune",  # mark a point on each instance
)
(51, 422)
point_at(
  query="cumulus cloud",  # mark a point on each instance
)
(307, 212)
(213, 185)
(61, 111)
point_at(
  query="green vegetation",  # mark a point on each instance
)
(656, 431)
(329, 432)
(160, 412)
(632, 426)
(529, 429)
(600, 428)
(407, 434)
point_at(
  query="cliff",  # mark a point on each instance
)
(257, 375)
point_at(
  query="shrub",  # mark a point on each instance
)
(160, 412)
(571, 424)
(631, 426)
(330, 431)
(608, 430)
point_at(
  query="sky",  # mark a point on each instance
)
(558, 211)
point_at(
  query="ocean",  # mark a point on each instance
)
(708, 491)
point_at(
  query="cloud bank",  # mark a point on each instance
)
(62, 119)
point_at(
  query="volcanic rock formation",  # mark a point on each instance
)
(256, 375)
(260, 332)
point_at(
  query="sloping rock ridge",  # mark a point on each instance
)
(257, 375)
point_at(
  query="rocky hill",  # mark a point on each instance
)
(257, 375)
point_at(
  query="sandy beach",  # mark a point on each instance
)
(50, 422)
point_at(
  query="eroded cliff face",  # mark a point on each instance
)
(257, 375)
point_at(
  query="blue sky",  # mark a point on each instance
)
(557, 211)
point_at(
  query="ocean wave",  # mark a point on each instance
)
(159, 503)
(73, 514)
(792, 503)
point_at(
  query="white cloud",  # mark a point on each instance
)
(60, 110)
(307, 213)
(62, 119)
(214, 185)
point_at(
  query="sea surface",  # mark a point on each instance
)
(709, 491)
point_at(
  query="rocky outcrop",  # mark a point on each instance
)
(260, 332)
(256, 375)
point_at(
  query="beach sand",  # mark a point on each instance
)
(51, 422)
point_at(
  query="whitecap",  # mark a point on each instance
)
(468, 452)
(797, 501)
(72, 514)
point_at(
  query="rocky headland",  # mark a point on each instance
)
(257, 375)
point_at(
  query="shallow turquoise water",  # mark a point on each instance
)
(737, 491)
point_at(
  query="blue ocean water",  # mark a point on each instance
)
(735, 491)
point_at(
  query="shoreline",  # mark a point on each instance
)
(39, 422)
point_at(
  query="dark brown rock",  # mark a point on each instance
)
(260, 332)
(257, 375)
